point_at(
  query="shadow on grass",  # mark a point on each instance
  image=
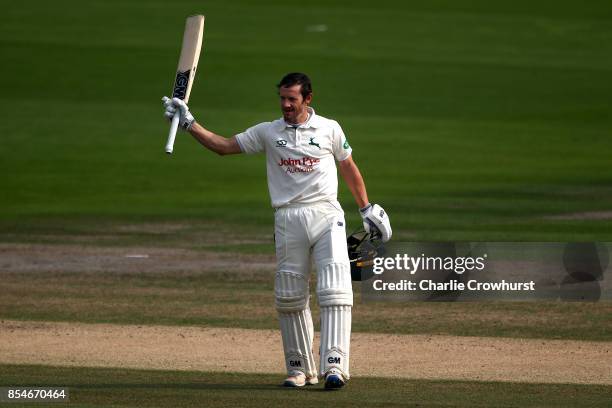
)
(93, 387)
(180, 386)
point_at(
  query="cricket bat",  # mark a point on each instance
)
(185, 73)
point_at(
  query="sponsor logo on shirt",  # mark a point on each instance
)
(281, 143)
(346, 145)
(305, 164)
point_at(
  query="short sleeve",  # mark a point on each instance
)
(252, 140)
(341, 147)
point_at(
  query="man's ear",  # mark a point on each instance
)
(308, 99)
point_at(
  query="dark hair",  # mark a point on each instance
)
(297, 78)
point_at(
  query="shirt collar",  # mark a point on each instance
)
(312, 122)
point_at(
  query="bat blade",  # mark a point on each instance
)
(185, 73)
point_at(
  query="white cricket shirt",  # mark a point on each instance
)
(300, 160)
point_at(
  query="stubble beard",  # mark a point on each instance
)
(292, 117)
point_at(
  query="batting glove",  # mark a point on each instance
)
(174, 104)
(376, 221)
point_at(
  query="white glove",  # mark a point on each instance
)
(376, 221)
(171, 105)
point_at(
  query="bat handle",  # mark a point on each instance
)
(172, 133)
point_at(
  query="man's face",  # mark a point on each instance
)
(293, 105)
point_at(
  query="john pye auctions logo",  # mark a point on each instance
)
(300, 165)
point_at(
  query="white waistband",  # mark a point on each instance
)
(335, 204)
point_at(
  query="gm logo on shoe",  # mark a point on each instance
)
(295, 363)
(333, 360)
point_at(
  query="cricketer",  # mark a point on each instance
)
(301, 150)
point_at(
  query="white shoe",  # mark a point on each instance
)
(312, 380)
(294, 381)
(299, 380)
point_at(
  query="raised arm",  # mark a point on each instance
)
(216, 143)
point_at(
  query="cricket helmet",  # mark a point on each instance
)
(363, 247)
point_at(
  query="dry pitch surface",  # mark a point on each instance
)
(259, 351)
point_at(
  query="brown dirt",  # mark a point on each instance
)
(75, 258)
(582, 216)
(259, 351)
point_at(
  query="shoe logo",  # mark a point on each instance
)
(295, 363)
(333, 360)
(281, 143)
(312, 143)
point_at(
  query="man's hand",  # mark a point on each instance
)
(171, 105)
(376, 221)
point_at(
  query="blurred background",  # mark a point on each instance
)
(471, 120)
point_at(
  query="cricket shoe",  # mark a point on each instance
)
(299, 380)
(334, 380)
(312, 380)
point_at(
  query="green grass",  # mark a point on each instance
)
(245, 299)
(97, 387)
(470, 121)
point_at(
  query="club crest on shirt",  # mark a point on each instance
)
(313, 143)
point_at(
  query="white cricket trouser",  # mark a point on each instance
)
(305, 232)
